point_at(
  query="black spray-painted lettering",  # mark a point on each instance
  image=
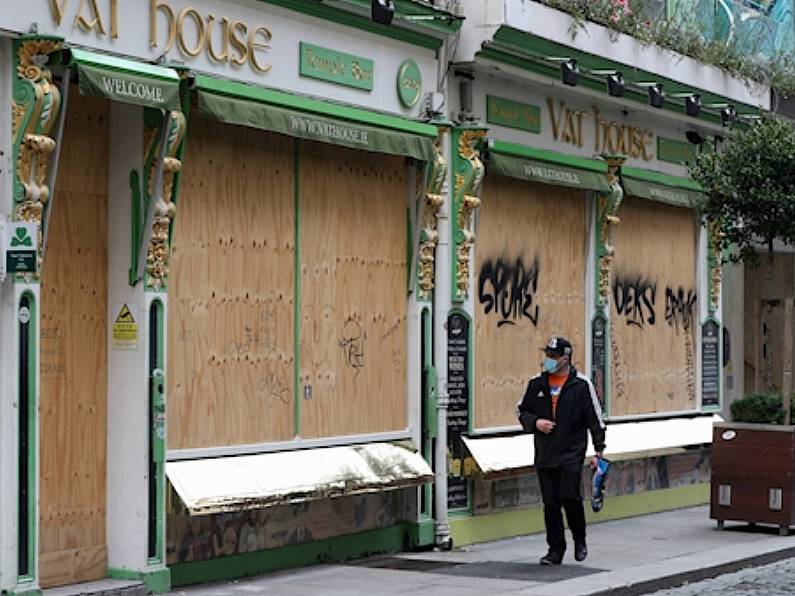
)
(679, 307)
(634, 299)
(509, 290)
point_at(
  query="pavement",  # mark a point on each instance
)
(626, 557)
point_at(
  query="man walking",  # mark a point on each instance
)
(559, 407)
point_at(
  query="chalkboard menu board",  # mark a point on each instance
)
(599, 356)
(458, 408)
(710, 364)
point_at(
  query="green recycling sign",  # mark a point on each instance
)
(20, 247)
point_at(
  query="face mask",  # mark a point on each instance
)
(550, 365)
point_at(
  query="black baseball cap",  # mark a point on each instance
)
(557, 346)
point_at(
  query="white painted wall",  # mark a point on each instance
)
(288, 28)
(128, 428)
(733, 295)
(8, 351)
(483, 18)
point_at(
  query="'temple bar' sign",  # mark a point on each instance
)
(20, 247)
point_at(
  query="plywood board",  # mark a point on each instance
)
(353, 280)
(230, 324)
(654, 309)
(530, 267)
(73, 355)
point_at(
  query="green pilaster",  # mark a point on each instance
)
(36, 105)
(607, 204)
(28, 457)
(468, 173)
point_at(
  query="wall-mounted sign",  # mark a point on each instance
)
(457, 409)
(513, 114)
(125, 327)
(20, 247)
(710, 364)
(336, 67)
(673, 151)
(599, 356)
(570, 126)
(409, 83)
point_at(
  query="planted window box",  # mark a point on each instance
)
(753, 465)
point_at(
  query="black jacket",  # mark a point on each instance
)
(578, 410)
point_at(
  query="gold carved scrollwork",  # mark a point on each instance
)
(607, 207)
(436, 173)
(35, 110)
(467, 188)
(158, 252)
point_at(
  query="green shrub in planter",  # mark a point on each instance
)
(760, 408)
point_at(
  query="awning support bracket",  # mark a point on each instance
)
(155, 199)
(52, 175)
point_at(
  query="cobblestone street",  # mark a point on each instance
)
(768, 580)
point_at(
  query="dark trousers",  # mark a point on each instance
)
(561, 488)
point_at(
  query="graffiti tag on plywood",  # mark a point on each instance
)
(352, 345)
(509, 290)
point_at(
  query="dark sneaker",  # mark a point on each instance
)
(552, 558)
(580, 551)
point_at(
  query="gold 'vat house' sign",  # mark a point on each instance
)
(225, 41)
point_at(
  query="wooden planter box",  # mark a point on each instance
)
(753, 471)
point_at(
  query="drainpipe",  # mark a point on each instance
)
(442, 307)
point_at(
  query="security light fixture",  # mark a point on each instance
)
(694, 137)
(615, 84)
(656, 95)
(569, 73)
(693, 105)
(728, 115)
(382, 11)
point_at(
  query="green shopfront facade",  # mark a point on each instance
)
(583, 223)
(216, 367)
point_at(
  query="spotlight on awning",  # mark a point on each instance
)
(728, 115)
(693, 105)
(569, 72)
(656, 95)
(694, 137)
(382, 11)
(615, 84)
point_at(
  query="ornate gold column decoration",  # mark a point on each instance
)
(34, 112)
(469, 172)
(714, 238)
(159, 250)
(607, 207)
(435, 174)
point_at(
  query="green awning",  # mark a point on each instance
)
(664, 188)
(126, 81)
(246, 105)
(548, 167)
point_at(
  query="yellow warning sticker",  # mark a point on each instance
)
(125, 328)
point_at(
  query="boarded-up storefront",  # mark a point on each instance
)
(654, 302)
(288, 318)
(73, 386)
(234, 292)
(530, 272)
